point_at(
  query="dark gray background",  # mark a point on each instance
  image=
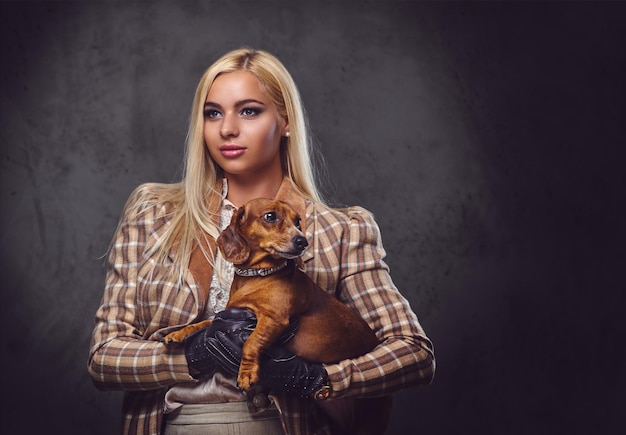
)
(487, 138)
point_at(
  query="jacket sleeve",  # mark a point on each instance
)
(405, 356)
(120, 357)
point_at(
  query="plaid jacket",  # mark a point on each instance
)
(141, 305)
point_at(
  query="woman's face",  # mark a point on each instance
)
(242, 128)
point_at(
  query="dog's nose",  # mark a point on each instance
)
(300, 242)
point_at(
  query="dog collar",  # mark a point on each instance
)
(263, 271)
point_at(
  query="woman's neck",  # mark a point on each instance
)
(242, 189)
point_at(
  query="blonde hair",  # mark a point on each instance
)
(188, 199)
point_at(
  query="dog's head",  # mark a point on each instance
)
(262, 229)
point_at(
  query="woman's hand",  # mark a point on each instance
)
(281, 370)
(220, 345)
(216, 345)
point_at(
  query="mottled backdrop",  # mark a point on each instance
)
(487, 138)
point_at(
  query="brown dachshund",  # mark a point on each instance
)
(265, 235)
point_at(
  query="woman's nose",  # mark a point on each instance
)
(229, 126)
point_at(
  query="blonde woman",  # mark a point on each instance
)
(248, 138)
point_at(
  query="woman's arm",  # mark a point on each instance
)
(121, 358)
(405, 356)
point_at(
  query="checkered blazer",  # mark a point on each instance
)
(141, 305)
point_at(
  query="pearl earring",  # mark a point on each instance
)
(287, 134)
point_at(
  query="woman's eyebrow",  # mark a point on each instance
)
(237, 104)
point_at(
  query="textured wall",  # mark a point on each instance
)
(484, 137)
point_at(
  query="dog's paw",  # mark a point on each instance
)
(174, 338)
(247, 379)
(243, 382)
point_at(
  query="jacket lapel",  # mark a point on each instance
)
(200, 269)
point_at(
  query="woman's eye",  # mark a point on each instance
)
(211, 113)
(250, 111)
(270, 217)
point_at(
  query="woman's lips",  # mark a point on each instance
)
(231, 150)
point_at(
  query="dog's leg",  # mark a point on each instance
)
(177, 337)
(267, 331)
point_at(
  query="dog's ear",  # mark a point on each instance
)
(232, 245)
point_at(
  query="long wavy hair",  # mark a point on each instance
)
(188, 200)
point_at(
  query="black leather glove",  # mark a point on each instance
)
(205, 349)
(281, 370)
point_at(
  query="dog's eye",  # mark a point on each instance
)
(270, 217)
(298, 223)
